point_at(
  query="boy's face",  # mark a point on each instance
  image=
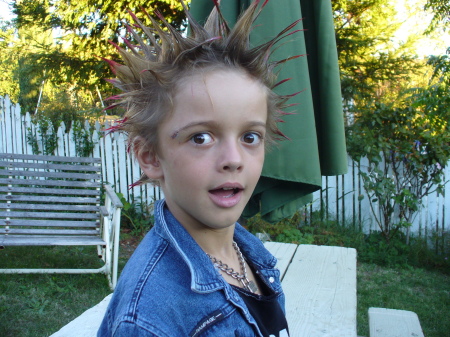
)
(211, 148)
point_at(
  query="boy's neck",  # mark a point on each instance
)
(216, 242)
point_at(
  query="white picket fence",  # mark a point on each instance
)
(346, 200)
(119, 169)
(340, 195)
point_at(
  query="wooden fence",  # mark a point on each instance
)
(342, 197)
(118, 168)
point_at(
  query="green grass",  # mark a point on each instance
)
(427, 293)
(39, 305)
(33, 305)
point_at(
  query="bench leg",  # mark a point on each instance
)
(111, 235)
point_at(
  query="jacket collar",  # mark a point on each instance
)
(204, 276)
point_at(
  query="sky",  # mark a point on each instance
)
(415, 25)
(4, 10)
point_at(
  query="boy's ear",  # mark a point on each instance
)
(149, 162)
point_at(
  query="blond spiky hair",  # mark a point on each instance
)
(151, 71)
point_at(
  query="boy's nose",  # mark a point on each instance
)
(232, 166)
(231, 158)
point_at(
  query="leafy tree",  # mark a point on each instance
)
(407, 145)
(8, 62)
(370, 61)
(398, 112)
(407, 148)
(441, 13)
(61, 43)
(90, 23)
(30, 75)
(84, 28)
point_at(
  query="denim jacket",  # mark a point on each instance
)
(170, 288)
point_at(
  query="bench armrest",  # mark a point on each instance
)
(104, 211)
(113, 196)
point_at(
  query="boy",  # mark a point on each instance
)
(200, 112)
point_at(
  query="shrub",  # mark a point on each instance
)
(136, 216)
(314, 228)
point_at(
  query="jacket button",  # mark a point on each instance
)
(271, 279)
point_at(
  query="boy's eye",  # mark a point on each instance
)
(252, 138)
(201, 138)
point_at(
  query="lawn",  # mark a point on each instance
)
(39, 305)
(427, 293)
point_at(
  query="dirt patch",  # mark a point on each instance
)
(128, 243)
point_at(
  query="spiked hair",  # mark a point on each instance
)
(152, 71)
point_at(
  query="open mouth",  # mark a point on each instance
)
(225, 192)
(227, 195)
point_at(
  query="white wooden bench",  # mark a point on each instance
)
(320, 287)
(55, 201)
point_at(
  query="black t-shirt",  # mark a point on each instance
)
(267, 313)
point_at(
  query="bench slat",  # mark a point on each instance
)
(52, 223)
(49, 240)
(13, 231)
(39, 157)
(320, 289)
(84, 184)
(284, 252)
(55, 201)
(49, 166)
(49, 190)
(52, 174)
(48, 215)
(50, 207)
(58, 199)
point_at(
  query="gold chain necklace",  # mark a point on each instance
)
(246, 283)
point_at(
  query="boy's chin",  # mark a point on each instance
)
(224, 221)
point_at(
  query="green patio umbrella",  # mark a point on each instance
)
(294, 169)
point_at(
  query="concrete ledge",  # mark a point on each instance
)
(87, 324)
(393, 323)
(319, 283)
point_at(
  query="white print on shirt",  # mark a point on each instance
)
(283, 333)
(215, 317)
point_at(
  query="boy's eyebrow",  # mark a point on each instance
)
(214, 124)
(192, 124)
